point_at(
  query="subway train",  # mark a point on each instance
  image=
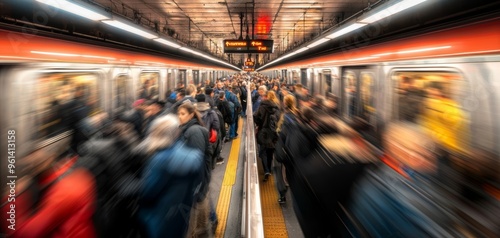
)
(40, 75)
(452, 75)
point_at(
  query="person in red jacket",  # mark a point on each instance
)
(59, 202)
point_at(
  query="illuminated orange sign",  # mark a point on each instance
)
(248, 46)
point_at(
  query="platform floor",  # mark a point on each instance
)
(226, 193)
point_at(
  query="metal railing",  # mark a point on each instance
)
(251, 222)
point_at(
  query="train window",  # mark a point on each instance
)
(120, 95)
(431, 100)
(63, 100)
(367, 97)
(350, 95)
(149, 85)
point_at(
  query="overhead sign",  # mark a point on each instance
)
(248, 46)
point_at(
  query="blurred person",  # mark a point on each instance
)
(404, 197)
(171, 178)
(57, 198)
(286, 124)
(136, 116)
(410, 101)
(243, 98)
(209, 97)
(235, 107)
(444, 119)
(224, 108)
(171, 96)
(266, 118)
(195, 136)
(261, 92)
(182, 96)
(299, 94)
(211, 122)
(110, 162)
(153, 110)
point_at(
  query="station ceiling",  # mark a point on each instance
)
(204, 24)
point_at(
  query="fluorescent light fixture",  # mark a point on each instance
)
(391, 10)
(129, 28)
(166, 42)
(75, 9)
(319, 42)
(54, 53)
(301, 50)
(345, 30)
(424, 49)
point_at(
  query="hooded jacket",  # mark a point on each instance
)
(171, 179)
(196, 136)
(209, 116)
(266, 118)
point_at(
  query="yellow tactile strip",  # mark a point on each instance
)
(272, 214)
(224, 201)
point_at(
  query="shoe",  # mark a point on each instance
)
(282, 200)
(266, 176)
(220, 160)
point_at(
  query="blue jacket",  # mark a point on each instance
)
(171, 180)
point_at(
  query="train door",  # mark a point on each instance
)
(181, 77)
(196, 77)
(358, 101)
(121, 97)
(303, 77)
(327, 82)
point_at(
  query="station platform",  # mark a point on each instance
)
(227, 194)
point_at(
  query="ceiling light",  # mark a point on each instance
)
(75, 9)
(345, 30)
(393, 9)
(129, 28)
(319, 42)
(167, 42)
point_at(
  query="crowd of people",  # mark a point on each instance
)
(147, 173)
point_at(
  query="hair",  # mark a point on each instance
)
(221, 95)
(263, 87)
(208, 91)
(191, 108)
(271, 95)
(291, 104)
(163, 133)
(190, 89)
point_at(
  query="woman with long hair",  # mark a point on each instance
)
(195, 136)
(266, 118)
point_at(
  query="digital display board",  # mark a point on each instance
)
(248, 46)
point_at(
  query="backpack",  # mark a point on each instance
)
(225, 110)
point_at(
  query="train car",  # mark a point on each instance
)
(42, 78)
(446, 81)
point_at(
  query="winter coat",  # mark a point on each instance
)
(65, 207)
(266, 118)
(171, 179)
(196, 137)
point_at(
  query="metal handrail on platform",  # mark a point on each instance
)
(251, 222)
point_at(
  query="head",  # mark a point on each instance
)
(191, 90)
(410, 145)
(222, 95)
(154, 107)
(209, 92)
(186, 112)
(262, 91)
(162, 134)
(271, 95)
(200, 98)
(181, 93)
(435, 89)
(290, 103)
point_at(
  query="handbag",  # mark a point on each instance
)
(212, 136)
